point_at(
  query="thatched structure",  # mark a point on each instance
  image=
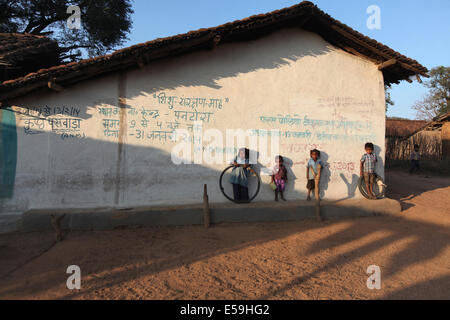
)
(21, 54)
(433, 138)
(402, 128)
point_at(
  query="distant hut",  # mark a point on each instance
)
(433, 138)
(440, 128)
(402, 128)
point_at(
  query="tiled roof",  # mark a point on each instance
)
(436, 123)
(21, 54)
(304, 15)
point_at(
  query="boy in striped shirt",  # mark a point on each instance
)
(367, 168)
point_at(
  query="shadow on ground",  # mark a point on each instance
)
(135, 264)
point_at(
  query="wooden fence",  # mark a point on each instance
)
(430, 143)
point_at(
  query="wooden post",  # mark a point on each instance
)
(387, 63)
(214, 42)
(317, 192)
(318, 215)
(56, 223)
(206, 212)
(419, 80)
(142, 62)
(54, 86)
(445, 134)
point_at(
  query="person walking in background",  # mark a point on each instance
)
(415, 160)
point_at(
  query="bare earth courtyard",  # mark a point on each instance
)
(289, 260)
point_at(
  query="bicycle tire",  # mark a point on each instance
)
(232, 199)
(362, 188)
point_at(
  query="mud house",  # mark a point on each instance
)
(100, 132)
(433, 137)
(397, 133)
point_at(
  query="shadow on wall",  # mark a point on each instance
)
(235, 59)
(248, 57)
(91, 173)
(292, 178)
(325, 177)
(203, 69)
(129, 181)
(380, 162)
(94, 173)
(352, 185)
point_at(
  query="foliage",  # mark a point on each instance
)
(104, 23)
(389, 101)
(437, 101)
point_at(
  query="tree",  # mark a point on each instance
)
(437, 101)
(387, 94)
(104, 23)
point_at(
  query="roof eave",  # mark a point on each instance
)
(305, 15)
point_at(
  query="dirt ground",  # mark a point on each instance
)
(292, 260)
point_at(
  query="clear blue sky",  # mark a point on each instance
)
(416, 28)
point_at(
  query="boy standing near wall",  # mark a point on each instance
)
(367, 168)
(313, 172)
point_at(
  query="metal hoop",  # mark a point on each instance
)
(362, 188)
(231, 199)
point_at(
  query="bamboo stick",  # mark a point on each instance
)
(206, 211)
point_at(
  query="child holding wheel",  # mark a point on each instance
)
(239, 176)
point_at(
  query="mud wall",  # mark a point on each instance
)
(107, 142)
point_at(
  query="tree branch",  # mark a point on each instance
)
(30, 26)
(45, 23)
(65, 49)
(71, 56)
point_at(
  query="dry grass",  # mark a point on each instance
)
(430, 146)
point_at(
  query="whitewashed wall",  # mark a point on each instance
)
(289, 74)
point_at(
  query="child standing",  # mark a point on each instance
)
(239, 176)
(313, 172)
(367, 168)
(415, 160)
(279, 177)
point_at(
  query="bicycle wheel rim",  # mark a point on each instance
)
(362, 188)
(258, 187)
